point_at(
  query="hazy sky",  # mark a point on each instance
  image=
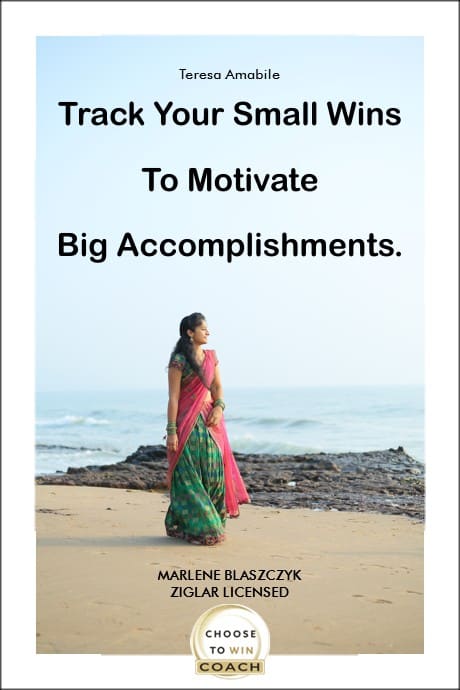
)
(273, 321)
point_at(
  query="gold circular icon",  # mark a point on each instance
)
(230, 640)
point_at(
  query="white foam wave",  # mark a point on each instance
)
(72, 420)
(248, 444)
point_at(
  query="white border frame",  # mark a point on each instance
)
(437, 22)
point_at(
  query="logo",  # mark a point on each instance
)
(230, 640)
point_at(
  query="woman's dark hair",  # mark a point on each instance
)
(184, 344)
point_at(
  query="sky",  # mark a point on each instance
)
(274, 321)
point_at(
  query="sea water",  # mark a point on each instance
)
(75, 429)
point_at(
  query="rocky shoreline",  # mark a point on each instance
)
(386, 481)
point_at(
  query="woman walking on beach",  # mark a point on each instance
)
(205, 483)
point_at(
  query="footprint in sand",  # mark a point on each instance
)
(377, 565)
(357, 595)
(323, 644)
(112, 604)
(54, 511)
(381, 601)
(412, 591)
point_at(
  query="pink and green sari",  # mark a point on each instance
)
(204, 479)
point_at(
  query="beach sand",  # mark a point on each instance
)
(100, 550)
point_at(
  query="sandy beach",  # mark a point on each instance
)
(100, 551)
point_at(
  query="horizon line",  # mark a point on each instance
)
(230, 387)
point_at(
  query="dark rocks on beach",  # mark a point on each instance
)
(385, 481)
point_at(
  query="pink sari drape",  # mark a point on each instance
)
(196, 399)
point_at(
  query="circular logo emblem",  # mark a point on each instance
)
(230, 640)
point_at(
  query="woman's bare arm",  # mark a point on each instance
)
(216, 387)
(174, 378)
(217, 392)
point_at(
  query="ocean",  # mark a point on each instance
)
(79, 428)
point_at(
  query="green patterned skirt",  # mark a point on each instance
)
(197, 509)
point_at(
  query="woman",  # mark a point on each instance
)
(205, 483)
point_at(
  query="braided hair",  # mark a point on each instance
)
(184, 344)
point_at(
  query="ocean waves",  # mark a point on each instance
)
(76, 429)
(72, 420)
(57, 457)
(58, 447)
(272, 422)
(250, 444)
